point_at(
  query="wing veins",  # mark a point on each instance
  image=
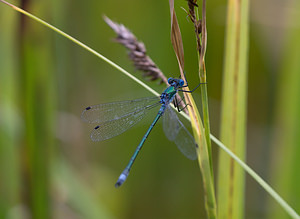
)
(110, 111)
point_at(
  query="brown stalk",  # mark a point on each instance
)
(197, 23)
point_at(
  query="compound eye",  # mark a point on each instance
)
(181, 82)
(170, 80)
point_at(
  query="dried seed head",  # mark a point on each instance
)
(197, 23)
(137, 52)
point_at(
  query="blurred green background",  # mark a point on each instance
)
(49, 167)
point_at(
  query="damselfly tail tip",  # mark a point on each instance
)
(122, 178)
(118, 184)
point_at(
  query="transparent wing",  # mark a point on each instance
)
(115, 118)
(112, 111)
(176, 132)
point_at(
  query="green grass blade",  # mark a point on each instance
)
(38, 102)
(204, 161)
(286, 141)
(10, 188)
(234, 99)
(202, 75)
(204, 96)
(259, 180)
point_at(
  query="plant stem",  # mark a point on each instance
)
(231, 177)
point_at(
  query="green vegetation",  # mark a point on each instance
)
(49, 167)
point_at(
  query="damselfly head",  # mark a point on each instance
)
(170, 81)
(181, 82)
(175, 82)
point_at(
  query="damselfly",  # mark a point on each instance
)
(117, 117)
